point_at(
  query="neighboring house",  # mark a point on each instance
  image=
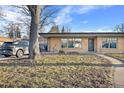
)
(5, 39)
(41, 39)
(100, 42)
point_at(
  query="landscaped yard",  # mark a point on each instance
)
(117, 55)
(57, 71)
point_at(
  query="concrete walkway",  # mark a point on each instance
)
(119, 71)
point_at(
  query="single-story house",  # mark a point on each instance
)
(100, 42)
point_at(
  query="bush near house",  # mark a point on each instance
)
(57, 71)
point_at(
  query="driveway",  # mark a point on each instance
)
(119, 71)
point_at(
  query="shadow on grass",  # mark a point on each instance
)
(74, 64)
(26, 62)
(30, 64)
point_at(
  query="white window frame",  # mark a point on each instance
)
(109, 38)
(74, 42)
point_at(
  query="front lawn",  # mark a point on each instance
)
(57, 71)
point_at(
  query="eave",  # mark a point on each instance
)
(103, 34)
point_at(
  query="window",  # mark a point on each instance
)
(64, 43)
(71, 43)
(109, 43)
(78, 43)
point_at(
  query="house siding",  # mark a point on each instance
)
(95, 44)
(54, 45)
(83, 49)
(119, 49)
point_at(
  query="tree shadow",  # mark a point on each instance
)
(32, 64)
(80, 64)
(29, 63)
(74, 64)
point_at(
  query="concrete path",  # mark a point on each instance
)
(119, 71)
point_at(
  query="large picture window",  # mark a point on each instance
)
(71, 43)
(64, 43)
(109, 43)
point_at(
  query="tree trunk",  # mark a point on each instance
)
(33, 42)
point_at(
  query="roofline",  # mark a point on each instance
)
(84, 34)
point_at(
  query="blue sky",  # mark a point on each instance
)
(79, 18)
(91, 18)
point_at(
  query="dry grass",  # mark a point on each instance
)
(92, 59)
(57, 71)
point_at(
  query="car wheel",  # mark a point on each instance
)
(19, 53)
(7, 55)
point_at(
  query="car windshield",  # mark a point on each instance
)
(7, 43)
(21, 43)
(15, 43)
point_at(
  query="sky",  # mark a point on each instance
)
(91, 18)
(83, 18)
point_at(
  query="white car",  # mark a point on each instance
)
(18, 48)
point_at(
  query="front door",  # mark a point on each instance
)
(90, 44)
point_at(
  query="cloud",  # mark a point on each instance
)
(12, 14)
(85, 9)
(64, 16)
(88, 8)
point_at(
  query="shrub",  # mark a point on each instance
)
(61, 52)
(73, 52)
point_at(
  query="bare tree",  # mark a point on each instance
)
(18, 32)
(38, 17)
(1, 14)
(46, 16)
(13, 30)
(119, 28)
(35, 20)
(26, 18)
(63, 29)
